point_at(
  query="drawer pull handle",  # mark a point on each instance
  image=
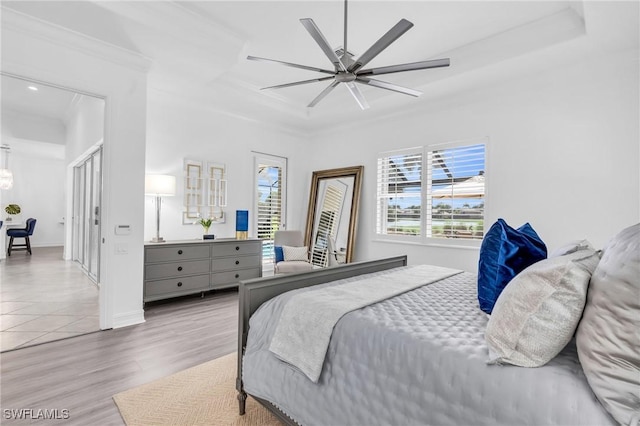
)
(179, 268)
(237, 275)
(179, 251)
(237, 262)
(180, 284)
(237, 247)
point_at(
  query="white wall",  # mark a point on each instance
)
(66, 59)
(37, 190)
(180, 128)
(36, 161)
(563, 154)
(85, 127)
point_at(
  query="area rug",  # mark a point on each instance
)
(202, 395)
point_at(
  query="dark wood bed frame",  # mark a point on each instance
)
(255, 292)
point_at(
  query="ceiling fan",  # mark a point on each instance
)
(349, 71)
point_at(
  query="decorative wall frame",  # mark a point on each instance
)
(205, 191)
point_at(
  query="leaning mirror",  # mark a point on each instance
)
(332, 215)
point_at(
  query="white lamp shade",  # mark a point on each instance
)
(6, 179)
(160, 185)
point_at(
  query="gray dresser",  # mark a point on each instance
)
(177, 268)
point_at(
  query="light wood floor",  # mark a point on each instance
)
(44, 298)
(81, 374)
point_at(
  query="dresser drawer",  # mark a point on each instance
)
(222, 278)
(176, 285)
(176, 253)
(176, 269)
(235, 262)
(236, 248)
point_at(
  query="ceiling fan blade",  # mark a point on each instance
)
(313, 29)
(324, 93)
(392, 35)
(297, 83)
(357, 95)
(289, 64)
(388, 86)
(423, 65)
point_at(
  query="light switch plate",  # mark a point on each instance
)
(123, 229)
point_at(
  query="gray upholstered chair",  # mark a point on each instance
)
(291, 239)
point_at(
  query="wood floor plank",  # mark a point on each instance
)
(82, 373)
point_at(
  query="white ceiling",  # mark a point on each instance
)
(46, 101)
(199, 48)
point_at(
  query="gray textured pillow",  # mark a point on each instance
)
(538, 312)
(295, 253)
(608, 337)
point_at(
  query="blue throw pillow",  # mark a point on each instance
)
(504, 253)
(279, 254)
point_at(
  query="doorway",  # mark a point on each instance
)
(56, 137)
(270, 203)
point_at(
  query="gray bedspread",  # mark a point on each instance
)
(306, 322)
(417, 359)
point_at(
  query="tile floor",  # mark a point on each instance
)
(44, 298)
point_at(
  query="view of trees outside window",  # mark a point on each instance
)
(441, 191)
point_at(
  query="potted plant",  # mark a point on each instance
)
(12, 209)
(206, 224)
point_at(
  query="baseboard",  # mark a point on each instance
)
(128, 318)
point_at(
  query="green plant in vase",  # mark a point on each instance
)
(206, 224)
(12, 209)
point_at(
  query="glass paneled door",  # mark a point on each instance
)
(87, 196)
(270, 202)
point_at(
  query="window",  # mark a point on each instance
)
(270, 177)
(432, 192)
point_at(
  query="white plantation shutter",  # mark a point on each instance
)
(331, 205)
(455, 207)
(399, 193)
(432, 192)
(270, 202)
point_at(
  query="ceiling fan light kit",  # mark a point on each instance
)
(349, 71)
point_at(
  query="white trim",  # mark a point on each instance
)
(128, 318)
(52, 33)
(454, 245)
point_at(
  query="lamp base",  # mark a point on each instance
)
(157, 240)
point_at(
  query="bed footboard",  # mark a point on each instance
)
(255, 292)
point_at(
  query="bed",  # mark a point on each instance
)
(416, 358)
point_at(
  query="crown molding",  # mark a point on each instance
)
(34, 27)
(171, 18)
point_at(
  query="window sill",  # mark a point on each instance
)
(453, 245)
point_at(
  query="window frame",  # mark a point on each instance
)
(274, 161)
(426, 198)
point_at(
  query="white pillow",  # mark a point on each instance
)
(537, 313)
(571, 247)
(295, 253)
(609, 333)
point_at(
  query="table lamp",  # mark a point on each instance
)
(159, 186)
